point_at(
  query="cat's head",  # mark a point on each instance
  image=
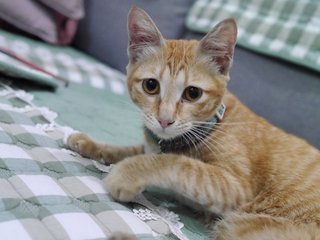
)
(177, 83)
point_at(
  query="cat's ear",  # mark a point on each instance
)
(144, 37)
(217, 47)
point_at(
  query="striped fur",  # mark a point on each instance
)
(263, 181)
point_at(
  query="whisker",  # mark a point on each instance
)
(216, 129)
(223, 123)
(190, 138)
(211, 128)
(205, 143)
(218, 141)
(211, 148)
(206, 138)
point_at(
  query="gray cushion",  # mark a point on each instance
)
(284, 93)
(103, 31)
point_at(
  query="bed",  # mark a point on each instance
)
(49, 192)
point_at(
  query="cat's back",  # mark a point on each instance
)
(285, 169)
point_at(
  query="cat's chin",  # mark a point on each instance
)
(165, 134)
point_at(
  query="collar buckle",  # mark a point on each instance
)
(221, 111)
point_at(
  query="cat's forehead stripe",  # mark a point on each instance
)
(180, 55)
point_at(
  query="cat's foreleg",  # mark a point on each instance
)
(103, 153)
(213, 187)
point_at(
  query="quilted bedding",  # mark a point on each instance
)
(49, 192)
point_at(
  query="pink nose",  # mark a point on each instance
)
(165, 123)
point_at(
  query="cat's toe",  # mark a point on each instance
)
(84, 145)
(73, 141)
(121, 192)
(121, 186)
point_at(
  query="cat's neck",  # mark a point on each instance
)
(189, 139)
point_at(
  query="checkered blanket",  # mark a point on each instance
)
(288, 29)
(49, 192)
(65, 62)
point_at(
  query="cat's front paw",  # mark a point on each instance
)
(124, 182)
(84, 145)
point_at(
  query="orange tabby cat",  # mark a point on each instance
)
(214, 150)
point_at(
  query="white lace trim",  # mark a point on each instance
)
(145, 214)
(27, 97)
(168, 217)
(49, 115)
(102, 167)
(152, 212)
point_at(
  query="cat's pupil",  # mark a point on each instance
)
(192, 93)
(151, 84)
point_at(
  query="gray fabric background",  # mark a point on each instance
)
(103, 32)
(285, 94)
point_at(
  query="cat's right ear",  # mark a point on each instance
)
(217, 47)
(144, 37)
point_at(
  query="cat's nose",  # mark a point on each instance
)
(165, 123)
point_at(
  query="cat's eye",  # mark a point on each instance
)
(192, 94)
(151, 86)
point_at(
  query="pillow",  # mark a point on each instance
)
(70, 8)
(65, 62)
(36, 17)
(31, 17)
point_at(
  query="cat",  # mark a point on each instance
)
(204, 144)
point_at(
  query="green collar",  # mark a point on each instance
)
(189, 139)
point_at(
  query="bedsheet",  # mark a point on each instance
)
(50, 192)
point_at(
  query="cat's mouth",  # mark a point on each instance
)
(173, 131)
(176, 129)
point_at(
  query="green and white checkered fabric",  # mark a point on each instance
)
(288, 29)
(48, 192)
(65, 62)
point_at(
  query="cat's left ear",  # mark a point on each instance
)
(217, 47)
